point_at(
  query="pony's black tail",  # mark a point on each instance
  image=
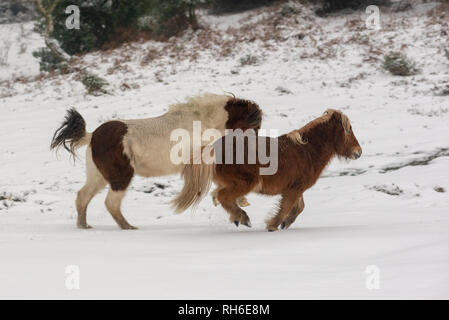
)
(72, 133)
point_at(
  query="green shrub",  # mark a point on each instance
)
(94, 84)
(248, 60)
(399, 65)
(115, 21)
(100, 22)
(288, 10)
(170, 17)
(224, 6)
(47, 60)
(335, 5)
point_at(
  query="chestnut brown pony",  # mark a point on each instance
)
(302, 156)
(117, 150)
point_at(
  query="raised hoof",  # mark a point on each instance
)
(84, 226)
(236, 223)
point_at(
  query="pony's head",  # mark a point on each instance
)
(346, 144)
(243, 114)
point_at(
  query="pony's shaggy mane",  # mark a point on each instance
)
(327, 115)
(199, 102)
(296, 137)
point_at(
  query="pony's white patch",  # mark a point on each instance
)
(147, 142)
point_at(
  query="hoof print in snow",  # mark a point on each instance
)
(439, 189)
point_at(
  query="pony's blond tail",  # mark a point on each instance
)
(197, 182)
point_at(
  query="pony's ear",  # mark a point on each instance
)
(338, 115)
(329, 113)
(345, 123)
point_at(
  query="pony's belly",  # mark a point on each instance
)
(155, 167)
(156, 171)
(152, 158)
(271, 185)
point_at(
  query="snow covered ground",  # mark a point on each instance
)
(389, 209)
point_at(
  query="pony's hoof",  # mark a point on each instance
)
(236, 223)
(283, 225)
(84, 226)
(215, 201)
(129, 227)
(271, 229)
(248, 224)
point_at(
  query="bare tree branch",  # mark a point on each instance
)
(51, 43)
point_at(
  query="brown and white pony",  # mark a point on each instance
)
(302, 156)
(118, 150)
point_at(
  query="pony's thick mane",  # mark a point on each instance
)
(199, 102)
(297, 135)
(327, 115)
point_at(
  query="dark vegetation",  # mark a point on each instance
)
(227, 6)
(330, 6)
(399, 64)
(105, 25)
(108, 24)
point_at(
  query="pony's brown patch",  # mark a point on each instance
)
(243, 114)
(108, 155)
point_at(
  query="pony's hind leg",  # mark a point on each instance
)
(227, 198)
(214, 195)
(109, 156)
(241, 201)
(94, 184)
(85, 195)
(294, 213)
(113, 204)
(288, 201)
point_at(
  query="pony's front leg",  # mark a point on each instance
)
(227, 198)
(296, 211)
(288, 201)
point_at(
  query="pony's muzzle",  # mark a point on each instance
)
(356, 154)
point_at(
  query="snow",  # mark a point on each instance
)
(22, 42)
(350, 221)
